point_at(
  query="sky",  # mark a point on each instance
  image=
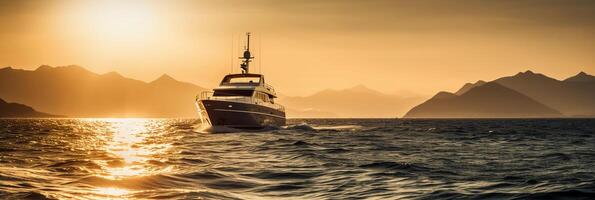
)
(306, 46)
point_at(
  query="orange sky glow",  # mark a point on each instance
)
(306, 46)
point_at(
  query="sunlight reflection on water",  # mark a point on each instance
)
(130, 152)
(313, 159)
(110, 192)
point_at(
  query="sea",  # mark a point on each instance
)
(308, 159)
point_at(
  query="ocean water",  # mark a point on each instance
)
(309, 159)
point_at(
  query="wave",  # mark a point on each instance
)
(283, 175)
(204, 175)
(300, 143)
(24, 196)
(6, 149)
(564, 194)
(558, 156)
(388, 165)
(283, 187)
(135, 183)
(335, 159)
(202, 128)
(183, 194)
(307, 127)
(72, 166)
(300, 127)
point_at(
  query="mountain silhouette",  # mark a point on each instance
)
(309, 113)
(19, 110)
(358, 101)
(469, 86)
(581, 77)
(77, 92)
(490, 100)
(574, 96)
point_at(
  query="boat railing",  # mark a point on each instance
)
(277, 106)
(204, 95)
(208, 95)
(280, 107)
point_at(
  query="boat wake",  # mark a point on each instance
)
(314, 128)
(205, 128)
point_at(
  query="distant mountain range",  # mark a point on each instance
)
(19, 110)
(574, 96)
(358, 101)
(76, 92)
(525, 94)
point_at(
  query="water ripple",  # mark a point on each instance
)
(309, 159)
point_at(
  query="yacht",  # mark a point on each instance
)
(243, 101)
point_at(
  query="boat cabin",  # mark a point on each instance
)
(245, 85)
(242, 80)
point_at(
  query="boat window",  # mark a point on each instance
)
(245, 80)
(262, 97)
(228, 93)
(266, 97)
(258, 96)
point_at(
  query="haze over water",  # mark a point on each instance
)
(310, 159)
(391, 46)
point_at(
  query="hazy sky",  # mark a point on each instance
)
(421, 46)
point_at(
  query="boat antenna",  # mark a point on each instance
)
(260, 53)
(231, 54)
(247, 56)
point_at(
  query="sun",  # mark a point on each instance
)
(118, 21)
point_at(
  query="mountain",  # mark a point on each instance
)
(581, 77)
(19, 110)
(358, 101)
(77, 92)
(574, 96)
(490, 100)
(308, 113)
(469, 86)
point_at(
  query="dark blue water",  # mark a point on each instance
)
(310, 159)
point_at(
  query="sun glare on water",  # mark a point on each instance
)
(130, 149)
(112, 192)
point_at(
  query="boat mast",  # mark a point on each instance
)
(247, 58)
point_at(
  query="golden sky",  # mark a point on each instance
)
(420, 46)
